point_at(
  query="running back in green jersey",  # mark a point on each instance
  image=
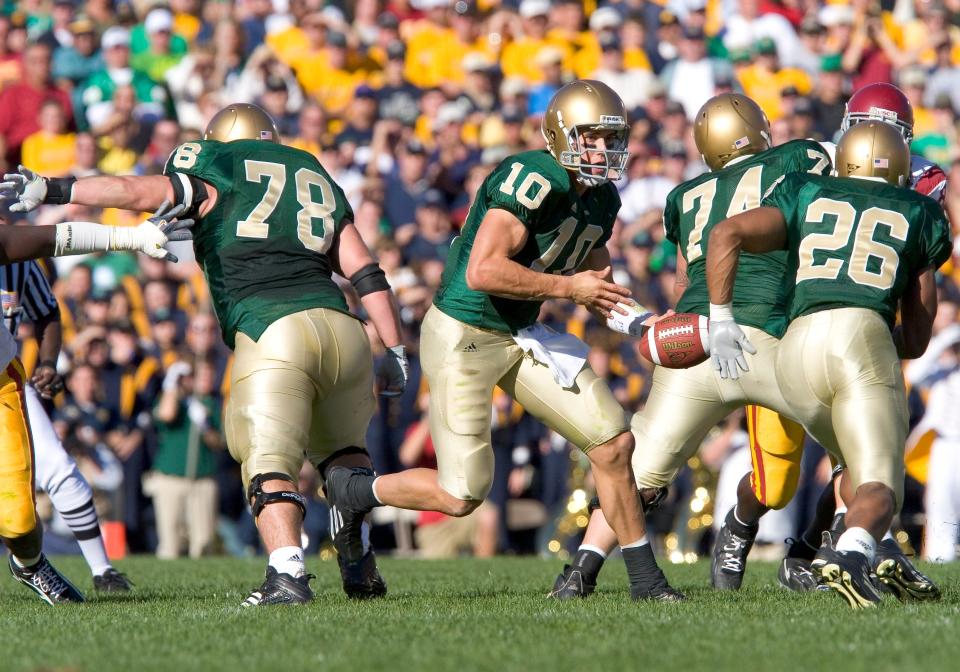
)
(855, 242)
(696, 206)
(563, 227)
(263, 247)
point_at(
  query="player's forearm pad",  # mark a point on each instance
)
(59, 190)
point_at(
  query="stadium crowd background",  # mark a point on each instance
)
(409, 105)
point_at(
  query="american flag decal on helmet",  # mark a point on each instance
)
(266, 135)
(881, 163)
(741, 143)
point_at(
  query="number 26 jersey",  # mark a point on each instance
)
(264, 246)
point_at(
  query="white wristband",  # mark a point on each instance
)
(81, 238)
(721, 312)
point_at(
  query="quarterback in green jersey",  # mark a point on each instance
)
(733, 136)
(537, 231)
(860, 246)
(272, 229)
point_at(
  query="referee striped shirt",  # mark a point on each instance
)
(24, 290)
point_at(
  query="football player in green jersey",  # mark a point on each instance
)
(272, 228)
(860, 246)
(733, 136)
(537, 231)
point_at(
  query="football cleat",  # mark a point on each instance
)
(847, 573)
(571, 584)
(795, 574)
(280, 588)
(44, 579)
(664, 593)
(112, 581)
(361, 579)
(898, 575)
(346, 515)
(729, 559)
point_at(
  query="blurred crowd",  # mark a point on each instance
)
(409, 105)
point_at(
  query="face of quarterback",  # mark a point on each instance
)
(597, 147)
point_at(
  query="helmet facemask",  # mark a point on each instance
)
(877, 114)
(582, 142)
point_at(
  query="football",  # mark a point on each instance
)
(679, 341)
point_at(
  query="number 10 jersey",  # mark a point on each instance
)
(562, 228)
(264, 246)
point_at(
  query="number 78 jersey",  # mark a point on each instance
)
(264, 245)
(696, 206)
(562, 227)
(856, 242)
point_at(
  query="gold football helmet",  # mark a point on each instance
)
(242, 121)
(874, 149)
(579, 114)
(728, 126)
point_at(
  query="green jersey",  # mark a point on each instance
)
(563, 227)
(696, 206)
(856, 243)
(264, 245)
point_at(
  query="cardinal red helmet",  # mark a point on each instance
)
(880, 102)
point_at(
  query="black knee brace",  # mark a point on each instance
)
(260, 498)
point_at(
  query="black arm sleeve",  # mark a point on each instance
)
(188, 191)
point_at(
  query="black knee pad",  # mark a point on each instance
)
(349, 450)
(261, 499)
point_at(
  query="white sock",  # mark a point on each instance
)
(594, 549)
(859, 540)
(373, 487)
(25, 562)
(288, 560)
(95, 555)
(841, 509)
(888, 535)
(642, 541)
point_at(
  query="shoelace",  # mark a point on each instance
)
(48, 580)
(732, 562)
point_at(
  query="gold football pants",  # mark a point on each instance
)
(17, 507)
(304, 390)
(839, 371)
(776, 450)
(463, 364)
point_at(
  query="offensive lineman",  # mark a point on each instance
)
(733, 136)
(537, 231)
(777, 444)
(272, 229)
(859, 245)
(19, 527)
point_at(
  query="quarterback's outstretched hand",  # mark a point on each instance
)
(727, 345)
(25, 187)
(393, 372)
(600, 296)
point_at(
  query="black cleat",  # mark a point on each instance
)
(44, 579)
(112, 581)
(280, 588)
(729, 559)
(571, 584)
(898, 575)
(362, 580)
(795, 574)
(846, 572)
(662, 593)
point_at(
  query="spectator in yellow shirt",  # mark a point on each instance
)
(432, 49)
(519, 57)
(765, 79)
(333, 87)
(50, 151)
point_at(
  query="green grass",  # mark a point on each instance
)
(467, 615)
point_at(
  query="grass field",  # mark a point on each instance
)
(467, 615)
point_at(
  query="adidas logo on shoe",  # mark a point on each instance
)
(471, 348)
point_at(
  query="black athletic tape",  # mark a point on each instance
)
(262, 499)
(188, 191)
(369, 279)
(59, 190)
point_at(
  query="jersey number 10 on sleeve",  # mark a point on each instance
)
(864, 246)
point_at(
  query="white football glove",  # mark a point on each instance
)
(393, 371)
(631, 324)
(24, 186)
(150, 236)
(728, 343)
